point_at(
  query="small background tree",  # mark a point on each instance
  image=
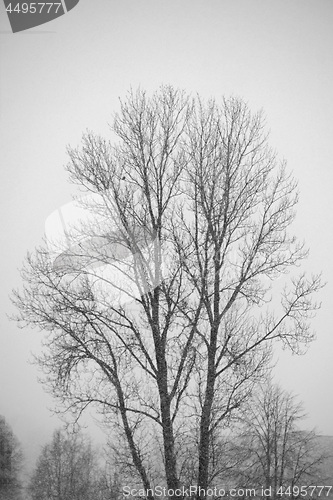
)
(11, 460)
(67, 469)
(273, 449)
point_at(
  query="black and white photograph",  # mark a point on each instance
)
(166, 240)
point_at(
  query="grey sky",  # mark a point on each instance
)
(276, 55)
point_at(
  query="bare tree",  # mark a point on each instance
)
(11, 459)
(67, 469)
(277, 453)
(158, 309)
(243, 204)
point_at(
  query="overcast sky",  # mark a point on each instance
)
(61, 78)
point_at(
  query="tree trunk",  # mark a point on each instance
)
(205, 421)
